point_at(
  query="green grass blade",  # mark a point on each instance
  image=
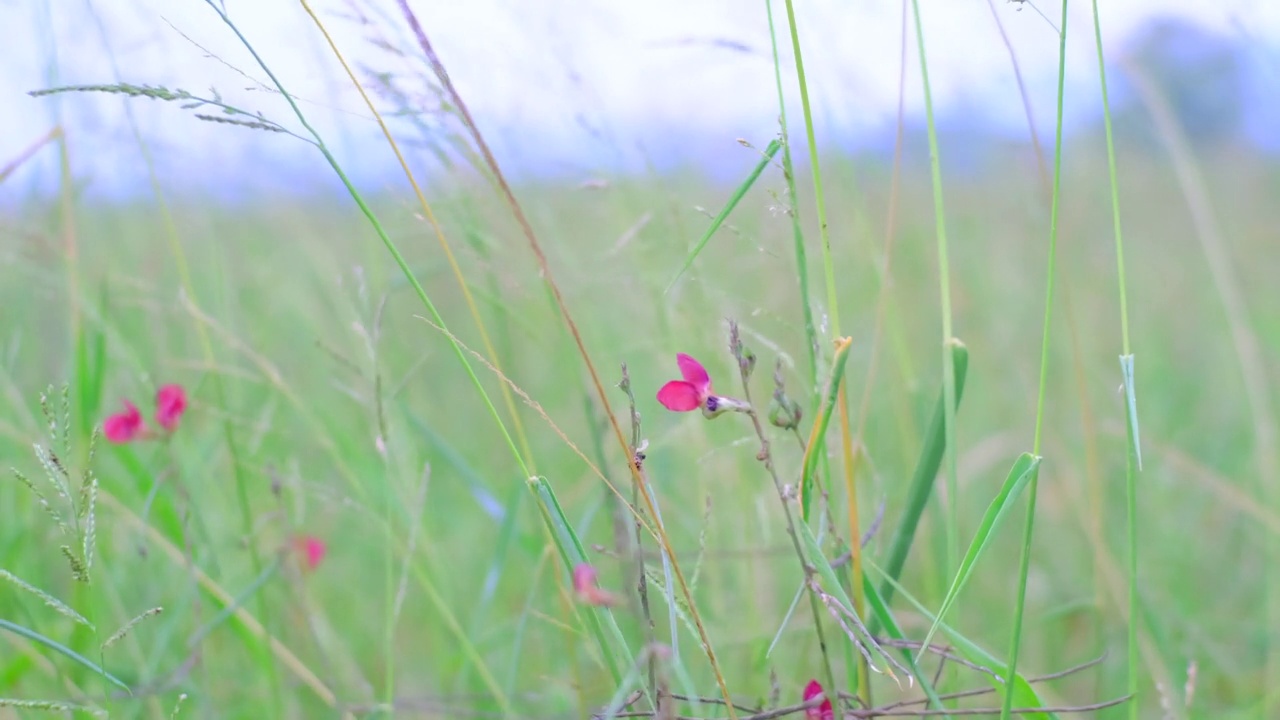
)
(1024, 694)
(1023, 470)
(572, 552)
(817, 438)
(944, 292)
(237, 602)
(831, 581)
(1131, 407)
(922, 480)
(734, 199)
(820, 203)
(1133, 463)
(793, 200)
(1024, 562)
(885, 617)
(65, 651)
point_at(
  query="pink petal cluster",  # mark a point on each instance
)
(587, 588)
(694, 392)
(821, 712)
(690, 393)
(311, 550)
(171, 402)
(128, 425)
(124, 425)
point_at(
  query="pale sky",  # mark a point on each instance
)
(570, 85)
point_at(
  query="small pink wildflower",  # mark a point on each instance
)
(694, 391)
(171, 402)
(586, 587)
(691, 392)
(312, 550)
(821, 712)
(124, 426)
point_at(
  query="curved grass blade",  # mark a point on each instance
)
(882, 613)
(819, 562)
(1024, 694)
(1131, 406)
(572, 552)
(813, 449)
(230, 609)
(1024, 469)
(65, 651)
(923, 479)
(769, 152)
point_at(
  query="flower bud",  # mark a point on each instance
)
(784, 412)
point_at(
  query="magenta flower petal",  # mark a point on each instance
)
(585, 585)
(693, 373)
(311, 549)
(679, 396)
(123, 426)
(823, 711)
(171, 402)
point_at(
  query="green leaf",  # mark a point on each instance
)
(1024, 468)
(831, 582)
(885, 617)
(769, 152)
(1131, 406)
(64, 651)
(922, 480)
(573, 553)
(817, 438)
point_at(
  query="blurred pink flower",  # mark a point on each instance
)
(124, 426)
(586, 587)
(311, 549)
(171, 402)
(821, 712)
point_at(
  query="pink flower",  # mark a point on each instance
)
(171, 402)
(124, 426)
(694, 391)
(690, 393)
(586, 587)
(311, 549)
(821, 712)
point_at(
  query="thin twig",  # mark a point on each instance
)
(642, 584)
(765, 457)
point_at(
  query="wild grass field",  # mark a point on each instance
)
(356, 517)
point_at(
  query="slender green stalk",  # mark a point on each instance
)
(382, 234)
(206, 347)
(404, 267)
(765, 158)
(1015, 644)
(1250, 354)
(1131, 469)
(944, 289)
(793, 208)
(833, 308)
(827, 267)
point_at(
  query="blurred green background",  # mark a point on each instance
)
(341, 406)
